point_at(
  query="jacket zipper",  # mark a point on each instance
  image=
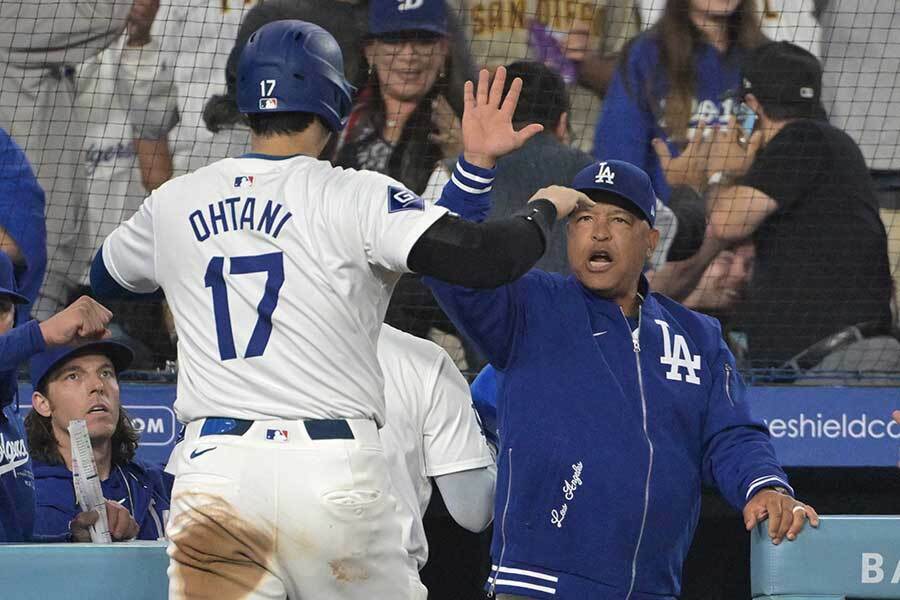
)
(160, 530)
(503, 520)
(635, 339)
(728, 384)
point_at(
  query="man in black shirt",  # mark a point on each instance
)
(808, 204)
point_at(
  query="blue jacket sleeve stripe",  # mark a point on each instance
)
(767, 481)
(472, 175)
(468, 188)
(467, 192)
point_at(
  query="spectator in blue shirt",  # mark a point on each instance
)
(671, 79)
(81, 382)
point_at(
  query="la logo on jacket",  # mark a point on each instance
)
(677, 356)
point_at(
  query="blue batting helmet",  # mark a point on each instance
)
(294, 66)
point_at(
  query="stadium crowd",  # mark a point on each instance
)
(768, 132)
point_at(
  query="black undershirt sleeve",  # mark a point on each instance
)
(484, 255)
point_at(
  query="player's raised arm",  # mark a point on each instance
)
(487, 255)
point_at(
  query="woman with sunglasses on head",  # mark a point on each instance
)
(402, 124)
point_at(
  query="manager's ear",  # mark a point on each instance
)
(652, 240)
(41, 404)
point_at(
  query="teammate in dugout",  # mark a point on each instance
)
(80, 381)
(616, 405)
(84, 319)
(278, 269)
(432, 434)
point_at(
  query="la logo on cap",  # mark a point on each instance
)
(604, 174)
(410, 4)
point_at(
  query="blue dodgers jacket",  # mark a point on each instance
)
(608, 429)
(16, 479)
(143, 490)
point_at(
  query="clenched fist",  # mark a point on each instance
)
(83, 319)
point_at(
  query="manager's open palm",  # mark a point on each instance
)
(487, 127)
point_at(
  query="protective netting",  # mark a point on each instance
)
(779, 196)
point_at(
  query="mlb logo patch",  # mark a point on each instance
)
(400, 200)
(277, 435)
(268, 103)
(244, 181)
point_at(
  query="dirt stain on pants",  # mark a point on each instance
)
(215, 554)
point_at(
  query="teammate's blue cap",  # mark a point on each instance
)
(8, 281)
(624, 180)
(42, 364)
(392, 16)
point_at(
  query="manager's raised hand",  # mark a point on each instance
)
(487, 127)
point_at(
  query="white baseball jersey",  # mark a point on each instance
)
(278, 273)
(431, 428)
(197, 36)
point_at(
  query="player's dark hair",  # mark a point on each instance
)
(43, 446)
(544, 97)
(265, 124)
(679, 40)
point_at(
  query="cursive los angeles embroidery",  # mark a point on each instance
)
(557, 516)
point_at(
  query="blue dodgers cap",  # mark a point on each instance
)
(42, 364)
(8, 281)
(392, 16)
(624, 180)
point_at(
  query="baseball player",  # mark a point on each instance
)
(85, 318)
(278, 269)
(42, 76)
(81, 381)
(431, 432)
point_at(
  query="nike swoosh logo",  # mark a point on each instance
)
(600, 333)
(197, 453)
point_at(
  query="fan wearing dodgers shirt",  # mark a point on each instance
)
(432, 432)
(278, 269)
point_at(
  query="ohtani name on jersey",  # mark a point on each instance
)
(239, 214)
